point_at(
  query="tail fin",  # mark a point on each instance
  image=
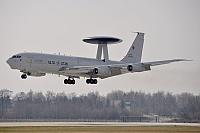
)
(134, 54)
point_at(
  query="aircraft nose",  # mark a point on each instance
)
(8, 61)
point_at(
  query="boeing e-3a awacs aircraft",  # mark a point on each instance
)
(38, 64)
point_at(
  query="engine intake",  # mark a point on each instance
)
(95, 71)
(130, 68)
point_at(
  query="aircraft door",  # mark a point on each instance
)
(29, 60)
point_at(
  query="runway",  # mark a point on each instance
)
(16, 124)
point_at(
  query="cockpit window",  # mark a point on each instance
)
(13, 56)
(16, 56)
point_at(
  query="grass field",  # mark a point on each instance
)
(98, 129)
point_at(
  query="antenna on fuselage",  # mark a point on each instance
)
(102, 43)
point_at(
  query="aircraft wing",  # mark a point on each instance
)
(120, 66)
(104, 71)
(156, 63)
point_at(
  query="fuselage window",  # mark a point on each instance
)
(64, 63)
(51, 62)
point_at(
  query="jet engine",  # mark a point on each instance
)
(138, 68)
(102, 71)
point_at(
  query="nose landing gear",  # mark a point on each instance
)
(24, 76)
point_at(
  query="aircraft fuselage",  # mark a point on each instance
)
(38, 64)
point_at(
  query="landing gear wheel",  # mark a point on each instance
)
(95, 81)
(87, 81)
(23, 76)
(91, 81)
(65, 81)
(73, 81)
(69, 81)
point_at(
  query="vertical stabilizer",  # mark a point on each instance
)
(134, 54)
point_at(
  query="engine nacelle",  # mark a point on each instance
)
(102, 71)
(36, 74)
(138, 68)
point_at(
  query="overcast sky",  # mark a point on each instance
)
(171, 27)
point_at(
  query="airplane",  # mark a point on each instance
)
(40, 64)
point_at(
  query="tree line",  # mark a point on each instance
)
(113, 106)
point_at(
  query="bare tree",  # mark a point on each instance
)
(51, 105)
(5, 102)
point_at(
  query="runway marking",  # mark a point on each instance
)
(12, 124)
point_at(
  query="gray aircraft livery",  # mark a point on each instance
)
(38, 64)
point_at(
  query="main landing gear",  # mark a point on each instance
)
(24, 76)
(91, 81)
(69, 81)
(72, 81)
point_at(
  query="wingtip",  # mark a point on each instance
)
(188, 60)
(182, 60)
